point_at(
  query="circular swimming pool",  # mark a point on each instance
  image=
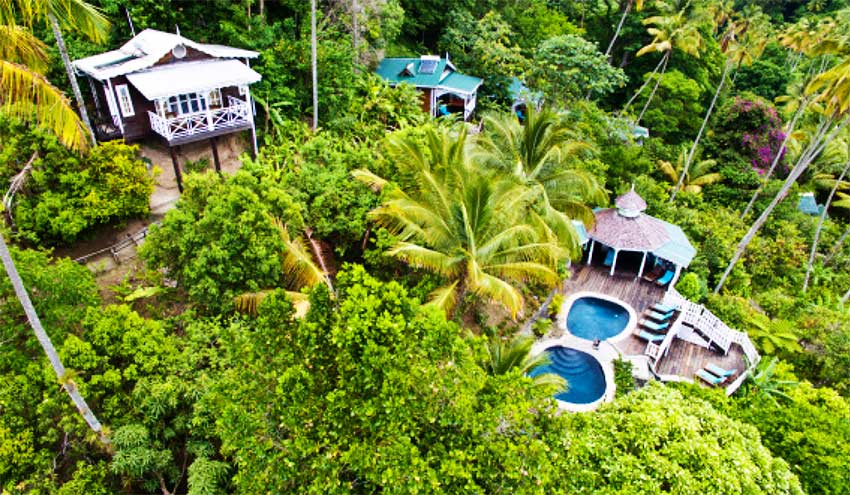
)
(594, 318)
(583, 372)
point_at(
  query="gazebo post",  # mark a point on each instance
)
(614, 263)
(590, 254)
(642, 263)
(675, 277)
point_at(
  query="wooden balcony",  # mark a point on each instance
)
(236, 116)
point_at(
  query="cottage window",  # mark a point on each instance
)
(214, 97)
(188, 103)
(124, 100)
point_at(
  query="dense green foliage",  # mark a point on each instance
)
(65, 194)
(371, 390)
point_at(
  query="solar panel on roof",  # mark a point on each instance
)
(428, 66)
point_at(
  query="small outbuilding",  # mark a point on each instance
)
(444, 90)
(626, 229)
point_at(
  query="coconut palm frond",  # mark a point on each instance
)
(19, 45)
(28, 96)
(444, 298)
(298, 262)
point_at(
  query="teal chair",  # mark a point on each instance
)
(651, 337)
(609, 258)
(709, 378)
(655, 327)
(664, 308)
(717, 370)
(666, 278)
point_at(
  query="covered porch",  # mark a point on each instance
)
(625, 238)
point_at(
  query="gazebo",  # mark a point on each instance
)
(628, 228)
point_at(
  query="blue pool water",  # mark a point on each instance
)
(593, 318)
(584, 375)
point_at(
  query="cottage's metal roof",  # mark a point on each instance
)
(192, 77)
(808, 204)
(631, 201)
(146, 49)
(406, 70)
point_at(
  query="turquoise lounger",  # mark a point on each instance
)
(609, 258)
(664, 308)
(659, 317)
(717, 370)
(666, 278)
(709, 378)
(651, 337)
(655, 327)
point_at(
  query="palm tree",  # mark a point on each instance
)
(763, 381)
(303, 266)
(62, 374)
(504, 357)
(692, 180)
(638, 5)
(772, 335)
(542, 154)
(674, 31)
(26, 94)
(737, 53)
(72, 14)
(831, 90)
(477, 230)
(314, 64)
(822, 217)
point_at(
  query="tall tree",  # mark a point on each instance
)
(47, 345)
(822, 216)
(638, 5)
(543, 152)
(26, 94)
(76, 15)
(675, 30)
(832, 90)
(475, 229)
(738, 50)
(314, 71)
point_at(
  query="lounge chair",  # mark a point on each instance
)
(654, 274)
(609, 258)
(717, 370)
(659, 317)
(650, 337)
(655, 327)
(709, 378)
(664, 308)
(666, 278)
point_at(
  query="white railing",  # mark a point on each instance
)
(235, 114)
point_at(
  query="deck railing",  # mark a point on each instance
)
(236, 113)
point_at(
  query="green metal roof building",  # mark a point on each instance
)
(444, 90)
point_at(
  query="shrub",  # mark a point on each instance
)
(555, 304)
(541, 327)
(67, 194)
(691, 287)
(623, 378)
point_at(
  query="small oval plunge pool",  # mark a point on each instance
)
(593, 318)
(583, 372)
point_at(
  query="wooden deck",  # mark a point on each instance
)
(683, 358)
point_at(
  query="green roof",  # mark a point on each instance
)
(406, 70)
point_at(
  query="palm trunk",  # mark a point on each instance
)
(846, 296)
(699, 134)
(314, 64)
(776, 159)
(837, 247)
(46, 344)
(78, 96)
(617, 32)
(813, 150)
(820, 226)
(655, 88)
(643, 86)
